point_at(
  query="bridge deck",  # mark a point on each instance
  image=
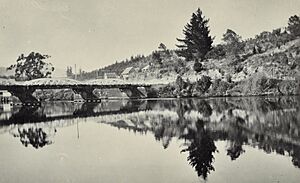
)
(63, 86)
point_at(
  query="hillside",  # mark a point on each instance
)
(276, 65)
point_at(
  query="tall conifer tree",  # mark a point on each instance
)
(197, 41)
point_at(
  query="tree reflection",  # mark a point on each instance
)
(268, 124)
(28, 114)
(200, 150)
(33, 136)
(236, 136)
(296, 156)
(204, 108)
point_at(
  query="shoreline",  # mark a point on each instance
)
(158, 99)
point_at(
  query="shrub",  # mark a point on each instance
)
(294, 25)
(228, 78)
(234, 60)
(163, 71)
(166, 91)
(258, 84)
(179, 83)
(220, 88)
(218, 52)
(288, 87)
(298, 84)
(203, 84)
(293, 65)
(281, 58)
(238, 68)
(152, 93)
(156, 56)
(198, 66)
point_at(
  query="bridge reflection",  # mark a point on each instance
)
(51, 111)
(269, 124)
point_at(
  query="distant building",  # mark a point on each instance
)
(100, 76)
(69, 72)
(126, 72)
(4, 96)
(110, 75)
(4, 93)
(146, 68)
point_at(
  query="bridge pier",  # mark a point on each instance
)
(133, 92)
(87, 93)
(25, 95)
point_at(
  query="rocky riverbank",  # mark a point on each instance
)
(256, 85)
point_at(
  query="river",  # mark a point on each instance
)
(251, 139)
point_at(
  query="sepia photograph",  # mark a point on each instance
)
(150, 91)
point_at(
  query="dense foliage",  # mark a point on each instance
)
(294, 25)
(234, 44)
(198, 66)
(32, 66)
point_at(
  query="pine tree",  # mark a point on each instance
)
(197, 41)
(294, 25)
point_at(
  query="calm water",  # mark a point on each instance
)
(190, 140)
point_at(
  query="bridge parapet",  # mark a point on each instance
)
(52, 81)
(71, 82)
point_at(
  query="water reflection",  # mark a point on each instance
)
(200, 149)
(236, 137)
(269, 124)
(33, 136)
(67, 110)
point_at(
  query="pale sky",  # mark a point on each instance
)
(95, 33)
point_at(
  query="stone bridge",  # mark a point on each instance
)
(24, 90)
